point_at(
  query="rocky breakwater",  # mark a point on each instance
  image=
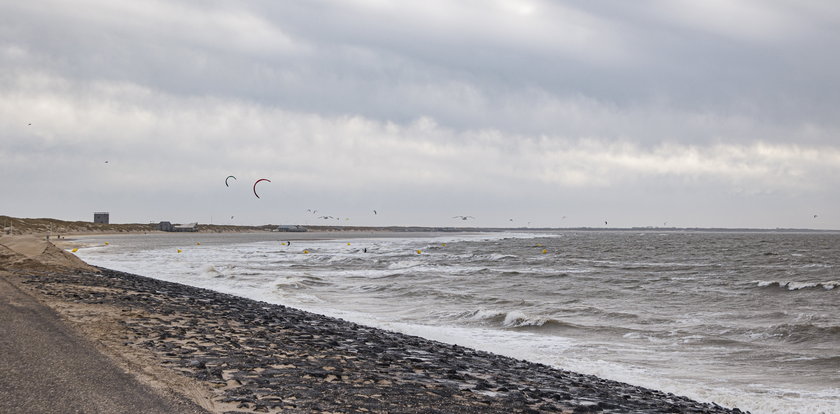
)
(250, 356)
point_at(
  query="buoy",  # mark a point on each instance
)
(306, 252)
(75, 250)
(545, 251)
(179, 250)
(419, 252)
(444, 244)
(198, 243)
(106, 243)
(348, 244)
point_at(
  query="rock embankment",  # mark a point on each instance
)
(252, 356)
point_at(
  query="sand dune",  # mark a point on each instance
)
(33, 251)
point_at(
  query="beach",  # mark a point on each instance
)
(230, 354)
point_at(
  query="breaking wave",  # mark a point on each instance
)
(805, 333)
(514, 319)
(792, 285)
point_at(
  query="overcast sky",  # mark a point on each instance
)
(710, 113)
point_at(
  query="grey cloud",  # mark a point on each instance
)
(544, 101)
(342, 58)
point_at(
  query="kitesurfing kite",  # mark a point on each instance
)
(257, 182)
(228, 178)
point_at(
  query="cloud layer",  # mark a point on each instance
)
(524, 110)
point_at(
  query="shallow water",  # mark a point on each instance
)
(742, 319)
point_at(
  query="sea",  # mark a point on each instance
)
(743, 319)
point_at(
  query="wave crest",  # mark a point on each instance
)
(793, 285)
(512, 319)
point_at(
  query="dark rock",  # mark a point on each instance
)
(301, 362)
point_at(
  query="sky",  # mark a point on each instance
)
(535, 113)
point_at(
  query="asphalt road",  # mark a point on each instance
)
(46, 367)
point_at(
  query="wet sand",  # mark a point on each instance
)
(230, 354)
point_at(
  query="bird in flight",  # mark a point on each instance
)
(463, 217)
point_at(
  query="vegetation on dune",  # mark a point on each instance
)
(14, 225)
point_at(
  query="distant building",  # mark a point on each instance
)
(291, 228)
(167, 226)
(191, 227)
(101, 217)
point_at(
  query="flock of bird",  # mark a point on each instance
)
(329, 217)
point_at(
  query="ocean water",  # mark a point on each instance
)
(747, 320)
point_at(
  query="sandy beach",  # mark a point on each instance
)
(228, 354)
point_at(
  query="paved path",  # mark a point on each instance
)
(45, 367)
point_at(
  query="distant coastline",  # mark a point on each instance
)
(50, 226)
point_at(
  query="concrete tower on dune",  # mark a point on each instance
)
(101, 217)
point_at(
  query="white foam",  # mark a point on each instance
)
(794, 285)
(519, 319)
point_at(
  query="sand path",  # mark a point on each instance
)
(45, 365)
(48, 368)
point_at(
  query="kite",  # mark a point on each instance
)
(257, 182)
(228, 178)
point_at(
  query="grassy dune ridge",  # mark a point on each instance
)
(43, 226)
(14, 225)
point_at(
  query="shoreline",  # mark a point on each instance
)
(50, 226)
(71, 241)
(231, 354)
